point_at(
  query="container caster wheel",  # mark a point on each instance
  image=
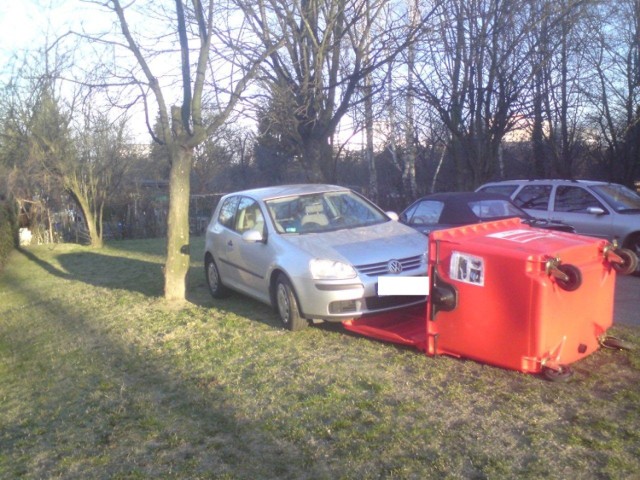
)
(629, 262)
(616, 344)
(562, 373)
(572, 278)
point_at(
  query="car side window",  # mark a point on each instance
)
(425, 213)
(575, 200)
(534, 197)
(249, 216)
(228, 212)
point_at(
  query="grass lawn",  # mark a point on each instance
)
(99, 378)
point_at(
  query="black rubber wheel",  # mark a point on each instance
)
(214, 281)
(629, 264)
(287, 305)
(574, 278)
(616, 344)
(562, 374)
(633, 244)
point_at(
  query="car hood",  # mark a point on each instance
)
(363, 245)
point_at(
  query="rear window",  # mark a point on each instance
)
(534, 197)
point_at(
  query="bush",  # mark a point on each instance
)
(8, 230)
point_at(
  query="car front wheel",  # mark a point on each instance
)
(287, 305)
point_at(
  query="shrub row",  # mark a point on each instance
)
(8, 231)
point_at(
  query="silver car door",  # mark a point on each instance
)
(578, 207)
(224, 239)
(251, 259)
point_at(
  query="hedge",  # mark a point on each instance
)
(8, 231)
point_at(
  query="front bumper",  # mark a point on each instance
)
(337, 301)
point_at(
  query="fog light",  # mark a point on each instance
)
(344, 306)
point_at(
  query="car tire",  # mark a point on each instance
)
(214, 280)
(633, 244)
(287, 305)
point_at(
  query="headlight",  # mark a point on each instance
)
(330, 270)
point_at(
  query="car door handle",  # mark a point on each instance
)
(230, 243)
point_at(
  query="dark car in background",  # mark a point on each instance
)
(454, 209)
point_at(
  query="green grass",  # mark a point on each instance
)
(99, 378)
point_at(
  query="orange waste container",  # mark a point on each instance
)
(509, 295)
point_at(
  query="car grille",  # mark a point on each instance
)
(381, 268)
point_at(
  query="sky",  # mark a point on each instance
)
(15, 21)
(23, 24)
(26, 24)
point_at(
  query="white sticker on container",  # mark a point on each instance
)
(521, 236)
(467, 268)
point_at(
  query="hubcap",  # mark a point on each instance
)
(283, 303)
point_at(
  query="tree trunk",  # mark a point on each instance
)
(177, 263)
(95, 237)
(369, 148)
(79, 195)
(409, 169)
(318, 160)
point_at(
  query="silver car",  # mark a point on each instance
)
(314, 252)
(598, 209)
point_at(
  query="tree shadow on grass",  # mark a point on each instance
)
(156, 246)
(105, 271)
(128, 407)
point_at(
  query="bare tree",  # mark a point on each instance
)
(327, 48)
(411, 139)
(55, 147)
(369, 154)
(103, 157)
(475, 69)
(614, 93)
(205, 93)
(560, 71)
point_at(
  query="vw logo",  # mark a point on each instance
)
(394, 266)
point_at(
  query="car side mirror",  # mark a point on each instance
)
(253, 236)
(595, 211)
(392, 215)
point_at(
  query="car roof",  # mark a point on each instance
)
(464, 197)
(457, 209)
(559, 181)
(267, 193)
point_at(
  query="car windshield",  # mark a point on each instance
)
(620, 198)
(322, 212)
(485, 209)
